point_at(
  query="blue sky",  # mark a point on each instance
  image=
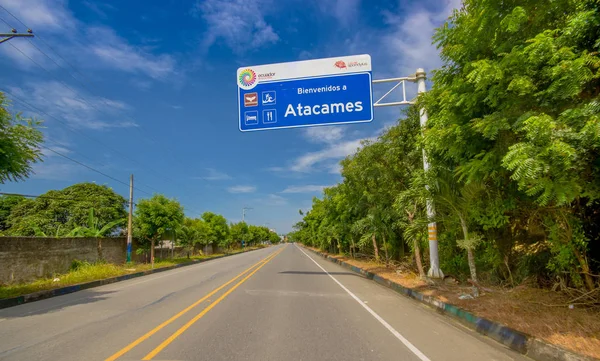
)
(148, 87)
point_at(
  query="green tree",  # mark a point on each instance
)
(156, 216)
(219, 229)
(20, 141)
(7, 203)
(513, 139)
(516, 107)
(67, 209)
(192, 232)
(238, 231)
(274, 238)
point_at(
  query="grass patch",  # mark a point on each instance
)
(83, 272)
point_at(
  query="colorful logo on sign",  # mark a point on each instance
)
(340, 64)
(247, 78)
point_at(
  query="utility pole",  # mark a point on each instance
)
(434, 270)
(244, 212)
(13, 34)
(130, 220)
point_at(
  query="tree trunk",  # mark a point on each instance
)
(375, 247)
(353, 247)
(470, 255)
(585, 268)
(152, 253)
(472, 267)
(418, 258)
(385, 250)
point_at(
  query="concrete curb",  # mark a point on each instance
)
(41, 295)
(525, 344)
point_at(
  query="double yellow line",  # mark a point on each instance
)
(177, 333)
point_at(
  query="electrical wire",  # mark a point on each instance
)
(140, 129)
(66, 125)
(7, 24)
(85, 135)
(50, 197)
(93, 169)
(65, 85)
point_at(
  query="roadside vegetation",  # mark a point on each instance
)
(513, 139)
(82, 272)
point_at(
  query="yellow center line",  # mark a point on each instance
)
(177, 333)
(170, 320)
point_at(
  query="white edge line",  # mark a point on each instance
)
(397, 334)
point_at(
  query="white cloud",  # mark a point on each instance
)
(141, 84)
(324, 134)
(215, 175)
(305, 55)
(54, 170)
(100, 9)
(115, 52)
(276, 169)
(343, 10)
(241, 189)
(101, 45)
(275, 200)
(304, 189)
(40, 14)
(408, 39)
(335, 168)
(67, 105)
(239, 23)
(21, 52)
(307, 162)
(46, 153)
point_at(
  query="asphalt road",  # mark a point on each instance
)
(288, 305)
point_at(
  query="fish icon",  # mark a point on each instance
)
(340, 64)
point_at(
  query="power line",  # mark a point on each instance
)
(77, 132)
(75, 70)
(85, 135)
(49, 197)
(7, 24)
(93, 169)
(44, 41)
(71, 89)
(9, 13)
(139, 129)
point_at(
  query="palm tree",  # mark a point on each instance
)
(92, 228)
(460, 200)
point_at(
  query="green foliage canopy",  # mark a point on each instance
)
(64, 210)
(20, 141)
(157, 215)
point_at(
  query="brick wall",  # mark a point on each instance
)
(27, 258)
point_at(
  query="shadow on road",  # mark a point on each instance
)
(54, 304)
(320, 273)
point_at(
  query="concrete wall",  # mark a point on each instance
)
(27, 258)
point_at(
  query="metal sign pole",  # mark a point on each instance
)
(419, 78)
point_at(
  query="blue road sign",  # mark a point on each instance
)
(305, 93)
